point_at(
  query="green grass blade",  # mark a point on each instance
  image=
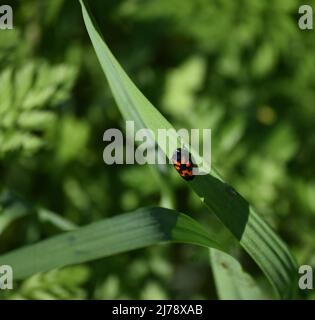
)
(12, 209)
(255, 235)
(232, 282)
(121, 233)
(55, 220)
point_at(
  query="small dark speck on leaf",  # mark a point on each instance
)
(231, 190)
(71, 238)
(224, 265)
(80, 252)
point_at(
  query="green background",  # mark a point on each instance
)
(242, 68)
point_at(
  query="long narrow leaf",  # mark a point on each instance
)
(255, 235)
(121, 233)
(232, 282)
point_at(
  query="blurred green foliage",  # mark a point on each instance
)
(242, 68)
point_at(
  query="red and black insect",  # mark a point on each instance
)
(183, 164)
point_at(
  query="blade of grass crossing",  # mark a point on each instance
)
(255, 235)
(134, 230)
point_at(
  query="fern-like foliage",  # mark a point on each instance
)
(29, 97)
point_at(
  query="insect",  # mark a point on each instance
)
(182, 162)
